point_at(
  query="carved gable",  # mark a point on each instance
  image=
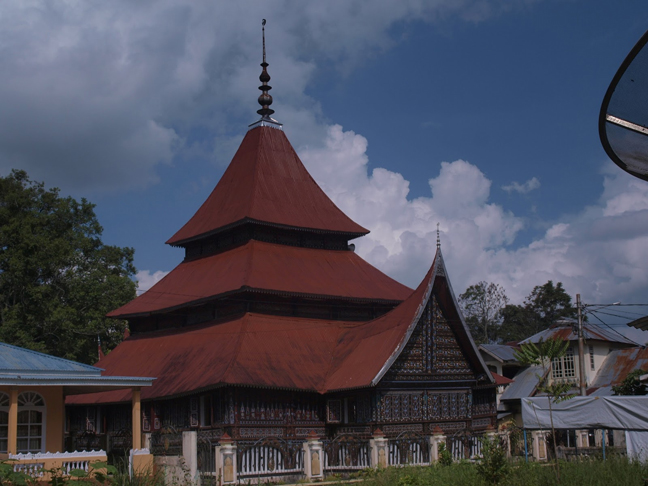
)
(432, 352)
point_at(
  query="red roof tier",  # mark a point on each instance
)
(269, 267)
(273, 351)
(266, 182)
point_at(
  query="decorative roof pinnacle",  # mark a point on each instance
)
(265, 100)
(438, 238)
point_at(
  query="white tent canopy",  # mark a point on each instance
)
(624, 413)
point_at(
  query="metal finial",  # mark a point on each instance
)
(265, 100)
(263, 22)
(438, 238)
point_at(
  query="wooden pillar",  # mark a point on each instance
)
(12, 435)
(137, 419)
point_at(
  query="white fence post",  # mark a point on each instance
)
(539, 445)
(226, 460)
(436, 439)
(379, 451)
(313, 457)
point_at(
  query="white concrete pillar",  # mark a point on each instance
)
(226, 460)
(437, 438)
(379, 445)
(190, 452)
(313, 457)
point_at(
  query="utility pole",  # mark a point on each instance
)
(581, 348)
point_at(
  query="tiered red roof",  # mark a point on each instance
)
(266, 182)
(270, 268)
(272, 351)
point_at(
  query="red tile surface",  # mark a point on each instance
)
(267, 182)
(272, 267)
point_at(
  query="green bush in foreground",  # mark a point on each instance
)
(613, 472)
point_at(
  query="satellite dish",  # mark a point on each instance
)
(623, 120)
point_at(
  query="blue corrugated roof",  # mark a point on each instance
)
(524, 383)
(500, 351)
(14, 359)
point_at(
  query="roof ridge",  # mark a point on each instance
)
(239, 345)
(255, 173)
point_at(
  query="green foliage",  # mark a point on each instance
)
(631, 384)
(445, 456)
(615, 471)
(57, 278)
(482, 304)
(542, 352)
(542, 307)
(9, 477)
(493, 466)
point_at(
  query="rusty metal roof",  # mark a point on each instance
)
(268, 267)
(274, 351)
(591, 332)
(617, 365)
(267, 182)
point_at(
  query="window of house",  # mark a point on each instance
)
(4, 422)
(591, 351)
(31, 422)
(205, 411)
(564, 367)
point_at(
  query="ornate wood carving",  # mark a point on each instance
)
(432, 352)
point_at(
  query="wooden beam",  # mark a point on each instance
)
(12, 435)
(137, 419)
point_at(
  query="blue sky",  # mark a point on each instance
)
(479, 115)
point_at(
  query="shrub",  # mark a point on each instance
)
(445, 456)
(493, 466)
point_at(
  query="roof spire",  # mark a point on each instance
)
(265, 100)
(438, 238)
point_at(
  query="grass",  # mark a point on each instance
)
(613, 472)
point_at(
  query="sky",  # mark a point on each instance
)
(477, 115)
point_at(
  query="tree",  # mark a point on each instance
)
(482, 304)
(57, 279)
(544, 353)
(515, 324)
(545, 305)
(631, 384)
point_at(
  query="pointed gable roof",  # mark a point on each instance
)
(366, 352)
(266, 183)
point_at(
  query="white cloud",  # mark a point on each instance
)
(95, 95)
(599, 252)
(525, 188)
(145, 279)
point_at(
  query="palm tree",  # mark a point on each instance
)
(544, 353)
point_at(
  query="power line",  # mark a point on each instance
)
(614, 330)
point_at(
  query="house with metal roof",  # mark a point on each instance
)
(609, 357)
(273, 329)
(33, 390)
